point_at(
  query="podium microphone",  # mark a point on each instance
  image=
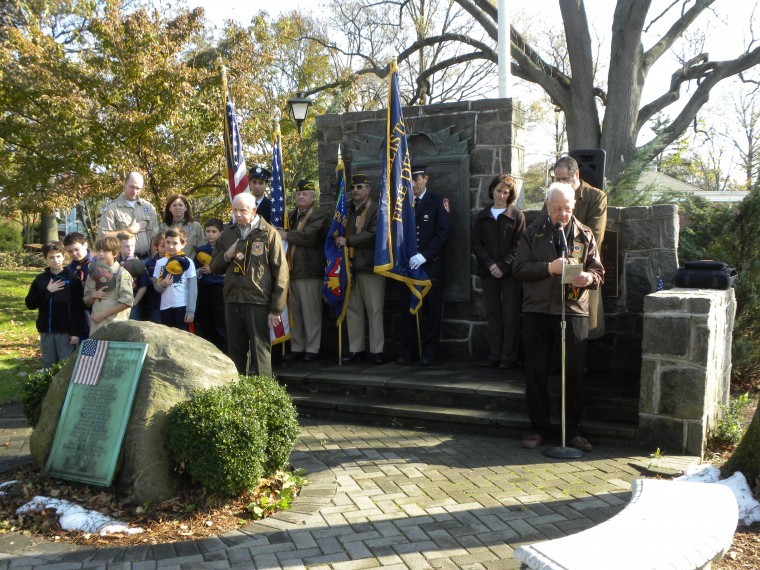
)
(562, 239)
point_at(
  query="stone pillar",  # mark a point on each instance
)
(686, 367)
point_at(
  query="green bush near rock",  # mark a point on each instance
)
(227, 438)
(10, 237)
(33, 391)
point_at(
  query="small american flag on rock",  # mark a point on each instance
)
(91, 358)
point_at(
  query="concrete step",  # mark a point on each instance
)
(452, 397)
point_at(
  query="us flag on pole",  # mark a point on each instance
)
(280, 333)
(92, 355)
(237, 174)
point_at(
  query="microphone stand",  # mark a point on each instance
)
(563, 452)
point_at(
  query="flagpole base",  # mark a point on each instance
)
(563, 453)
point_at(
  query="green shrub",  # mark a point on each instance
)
(731, 427)
(10, 237)
(218, 443)
(33, 391)
(269, 401)
(20, 259)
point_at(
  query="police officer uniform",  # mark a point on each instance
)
(263, 205)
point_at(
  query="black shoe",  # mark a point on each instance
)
(353, 357)
(427, 361)
(489, 363)
(310, 356)
(293, 356)
(403, 360)
(377, 357)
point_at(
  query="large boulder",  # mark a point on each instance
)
(176, 363)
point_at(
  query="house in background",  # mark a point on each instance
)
(659, 183)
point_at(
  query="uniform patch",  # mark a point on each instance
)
(145, 209)
(258, 248)
(446, 205)
(578, 250)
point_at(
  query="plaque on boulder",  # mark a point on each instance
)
(95, 413)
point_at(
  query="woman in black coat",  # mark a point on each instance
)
(496, 233)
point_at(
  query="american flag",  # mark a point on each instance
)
(92, 355)
(281, 332)
(237, 174)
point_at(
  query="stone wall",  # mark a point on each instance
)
(686, 367)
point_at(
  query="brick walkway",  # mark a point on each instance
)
(379, 497)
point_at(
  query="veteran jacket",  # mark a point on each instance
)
(307, 245)
(361, 240)
(258, 273)
(542, 293)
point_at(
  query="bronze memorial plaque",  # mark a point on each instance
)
(94, 418)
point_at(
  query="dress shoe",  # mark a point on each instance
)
(580, 442)
(353, 357)
(532, 441)
(376, 357)
(292, 356)
(489, 363)
(427, 361)
(310, 356)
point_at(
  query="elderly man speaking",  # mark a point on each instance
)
(539, 262)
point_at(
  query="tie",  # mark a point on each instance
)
(416, 201)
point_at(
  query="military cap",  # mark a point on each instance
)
(305, 185)
(419, 170)
(359, 179)
(259, 173)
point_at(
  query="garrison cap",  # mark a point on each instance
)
(359, 179)
(305, 185)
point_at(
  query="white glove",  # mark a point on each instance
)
(416, 261)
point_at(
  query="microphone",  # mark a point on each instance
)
(562, 240)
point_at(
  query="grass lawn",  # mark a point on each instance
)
(19, 340)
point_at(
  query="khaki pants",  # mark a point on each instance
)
(367, 293)
(306, 312)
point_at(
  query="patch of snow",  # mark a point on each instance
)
(74, 517)
(749, 507)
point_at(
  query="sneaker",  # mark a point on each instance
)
(532, 441)
(580, 442)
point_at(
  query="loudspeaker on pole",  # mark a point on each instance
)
(591, 165)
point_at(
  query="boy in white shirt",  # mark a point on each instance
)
(176, 282)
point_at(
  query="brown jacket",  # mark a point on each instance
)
(590, 209)
(307, 245)
(362, 243)
(542, 292)
(258, 274)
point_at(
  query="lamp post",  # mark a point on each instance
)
(299, 107)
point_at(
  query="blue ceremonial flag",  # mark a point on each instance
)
(281, 332)
(279, 210)
(337, 284)
(396, 240)
(237, 174)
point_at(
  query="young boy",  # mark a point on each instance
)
(140, 280)
(81, 257)
(151, 302)
(209, 314)
(57, 295)
(111, 303)
(176, 281)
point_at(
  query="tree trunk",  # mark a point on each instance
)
(746, 457)
(48, 227)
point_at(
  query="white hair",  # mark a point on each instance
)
(562, 188)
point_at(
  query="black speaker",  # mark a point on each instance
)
(591, 165)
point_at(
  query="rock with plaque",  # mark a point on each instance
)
(94, 418)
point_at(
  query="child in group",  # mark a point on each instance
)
(209, 314)
(140, 278)
(112, 302)
(176, 281)
(76, 246)
(57, 295)
(151, 301)
(81, 257)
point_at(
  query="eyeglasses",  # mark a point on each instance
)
(358, 186)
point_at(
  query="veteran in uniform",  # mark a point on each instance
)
(539, 263)
(131, 213)
(249, 254)
(433, 219)
(306, 235)
(368, 289)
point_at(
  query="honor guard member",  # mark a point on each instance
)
(539, 265)
(249, 255)
(590, 210)
(132, 213)
(432, 216)
(308, 227)
(258, 178)
(368, 289)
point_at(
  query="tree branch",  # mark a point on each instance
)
(422, 79)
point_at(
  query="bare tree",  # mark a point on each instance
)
(577, 92)
(747, 111)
